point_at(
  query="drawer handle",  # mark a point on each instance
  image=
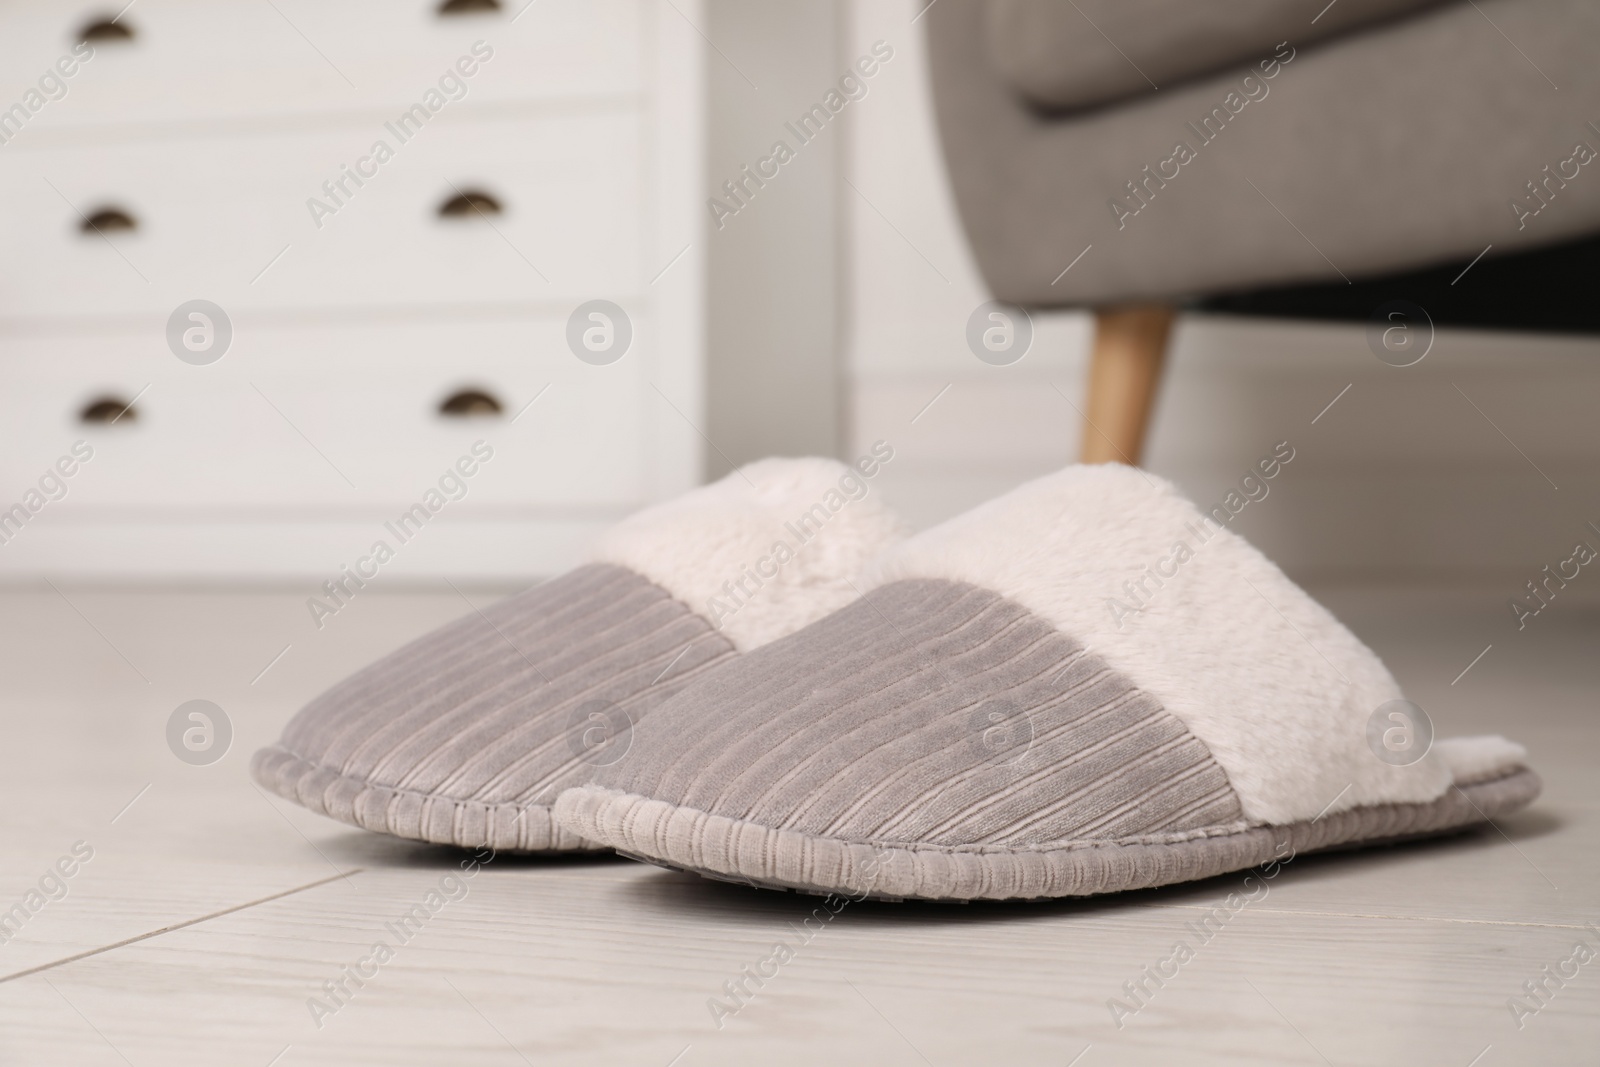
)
(469, 403)
(109, 220)
(106, 410)
(469, 7)
(469, 203)
(105, 31)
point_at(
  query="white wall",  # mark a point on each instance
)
(773, 370)
(1402, 477)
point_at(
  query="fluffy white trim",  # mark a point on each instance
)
(1478, 759)
(715, 547)
(1277, 688)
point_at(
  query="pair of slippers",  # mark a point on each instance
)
(1083, 686)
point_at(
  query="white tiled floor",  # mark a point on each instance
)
(210, 913)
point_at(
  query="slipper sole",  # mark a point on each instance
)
(732, 850)
(416, 816)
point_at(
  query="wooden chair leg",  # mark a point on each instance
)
(1130, 345)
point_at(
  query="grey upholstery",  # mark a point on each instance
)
(1396, 146)
(1093, 52)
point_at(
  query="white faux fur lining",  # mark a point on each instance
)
(768, 549)
(1481, 758)
(1274, 685)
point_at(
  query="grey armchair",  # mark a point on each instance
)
(1132, 156)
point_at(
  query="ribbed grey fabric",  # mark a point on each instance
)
(466, 735)
(936, 740)
(934, 712)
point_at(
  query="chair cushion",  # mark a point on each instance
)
(1361, 144)
(1089, 53)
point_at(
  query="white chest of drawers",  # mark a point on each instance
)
(236, 142)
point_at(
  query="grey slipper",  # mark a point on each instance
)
(467, 735)
(1086, 685)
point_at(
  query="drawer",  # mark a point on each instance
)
(227, 219)
(241, 59)
(340, 422)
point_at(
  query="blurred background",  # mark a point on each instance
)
(375, 327)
